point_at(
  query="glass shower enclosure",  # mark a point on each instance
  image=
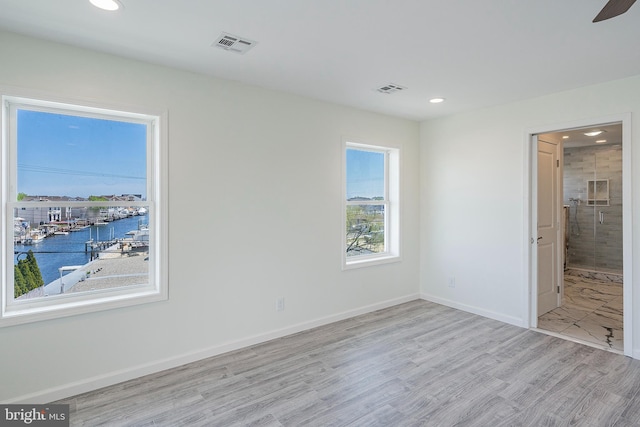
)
(592, 181)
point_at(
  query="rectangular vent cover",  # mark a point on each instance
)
(233, 43)
(390, 88)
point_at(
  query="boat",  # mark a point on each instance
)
(61, 233)
(20, 230)
(120, 213)
(35, 236)
(137, 240)
(140, 235)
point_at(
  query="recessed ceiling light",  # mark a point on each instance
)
(593, 133)
(565, 137)
(110, 5)
(436, 100)
(601, 141)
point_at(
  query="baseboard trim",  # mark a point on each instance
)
(115, 377)
(475, 310)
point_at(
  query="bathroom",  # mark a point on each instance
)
(592, 302)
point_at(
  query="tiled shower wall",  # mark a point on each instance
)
(592, 245)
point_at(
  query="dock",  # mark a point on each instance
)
(117, 265)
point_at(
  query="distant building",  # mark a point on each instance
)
(38, 215)
(43, 215)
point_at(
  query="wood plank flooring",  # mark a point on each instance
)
(415, 364)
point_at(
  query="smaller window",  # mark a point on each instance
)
(371, 205)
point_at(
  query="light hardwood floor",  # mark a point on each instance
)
(416, 364)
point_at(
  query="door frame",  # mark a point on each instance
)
(530, 212)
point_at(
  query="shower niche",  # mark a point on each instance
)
(592, 187)
(598, 192)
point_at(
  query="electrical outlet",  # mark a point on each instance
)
(452, 282)
(280, 304)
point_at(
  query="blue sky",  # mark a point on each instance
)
(60, 155)
(365, 173)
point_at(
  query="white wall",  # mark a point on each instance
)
(257, 173)
(474, 197)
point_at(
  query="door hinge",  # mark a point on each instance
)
(557, 163)
(558, 288)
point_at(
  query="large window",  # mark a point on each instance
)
(371, 204)
(83, 209)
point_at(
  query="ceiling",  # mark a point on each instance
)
(611, 135)
(473, 53)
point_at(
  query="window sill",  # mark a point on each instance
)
(20, 315)
(370, 261)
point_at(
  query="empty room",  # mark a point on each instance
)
(337, 212)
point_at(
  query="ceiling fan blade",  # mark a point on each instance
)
(613, 8)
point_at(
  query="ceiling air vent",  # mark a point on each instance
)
(390, 88)
(233, 43)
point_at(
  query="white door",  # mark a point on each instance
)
(548, 227)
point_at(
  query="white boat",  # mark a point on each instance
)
(20, 230)
(35, 236)
(61, 233)
(141, 235)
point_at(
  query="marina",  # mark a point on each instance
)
(73, 253)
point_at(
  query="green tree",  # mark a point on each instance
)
(95, 209)
(21, 196)
(30, 278)
(33, 266)
(19, 282)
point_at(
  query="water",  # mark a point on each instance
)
(58, 250)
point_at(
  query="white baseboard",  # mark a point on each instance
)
(475, 310)
(93, 383)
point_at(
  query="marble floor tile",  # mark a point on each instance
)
(591, 311)
(561, 318)
(614, 306)
(605, 277)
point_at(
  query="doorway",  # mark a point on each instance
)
(593, 299)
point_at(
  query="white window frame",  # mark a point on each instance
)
(391, 202)
(17, 312)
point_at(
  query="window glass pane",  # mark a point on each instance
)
(365, 175)
(70, 250)
(67, 155)
(65, 249)
(365, 229)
